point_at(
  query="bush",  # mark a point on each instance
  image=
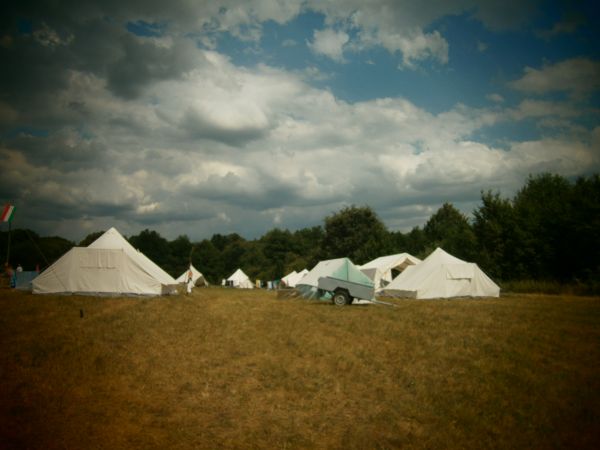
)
(550, 287)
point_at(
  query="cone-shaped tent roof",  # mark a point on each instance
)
(239, 279)
(112, 239)
(442, 275)
(108, 266)
(197, 277)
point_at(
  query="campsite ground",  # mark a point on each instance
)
(243, 369)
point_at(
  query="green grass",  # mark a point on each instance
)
(242, 369)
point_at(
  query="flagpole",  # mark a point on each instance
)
(6, 216)
(8, 248)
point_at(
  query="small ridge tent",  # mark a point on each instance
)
(197, 277)
(108, 266)
(341, 268)
(240, 280)
(380, 269)
(292, 278)
(442, 275)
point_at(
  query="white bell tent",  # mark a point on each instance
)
(239, 280)
(108, 266)
(197, 277)
(442, 275)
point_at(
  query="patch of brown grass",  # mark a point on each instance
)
(242, 369)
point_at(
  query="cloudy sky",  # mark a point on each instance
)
(197, 117)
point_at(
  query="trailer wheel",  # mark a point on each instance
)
(341, 298)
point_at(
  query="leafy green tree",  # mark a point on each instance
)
(497, 237)
(180, 250)
(356, 233)
(255, 264)
(155, 247)
(233, 252)
(30, 250)
(449, 229)
(276, 246)
(24, 249)
(416, 243)
(543, 209)
(53, 247)
(308, 243)
(583, 250)
(90, 238)
(221, 241)
(208, 260)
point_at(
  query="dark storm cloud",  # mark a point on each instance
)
(143, 63)
(34, 70)
(43, 208)
(175, 213)
(64, 150)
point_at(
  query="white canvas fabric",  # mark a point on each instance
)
(108, 266)
(197, 277)
(292, 278)
(380, 269)
(286, 280)
(240, 280)
(442, 275)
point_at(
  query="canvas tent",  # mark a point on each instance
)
(292, 278)
(380, 269)
(197, 277)
(108, 266)
(341, 268)
(442, 275)
(239, 280)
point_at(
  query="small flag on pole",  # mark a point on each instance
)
(7, 213)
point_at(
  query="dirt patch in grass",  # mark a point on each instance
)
(228, 369)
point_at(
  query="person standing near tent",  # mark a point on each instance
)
(11, 275)
(190, 281)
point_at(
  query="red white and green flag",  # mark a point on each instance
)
(7, 213)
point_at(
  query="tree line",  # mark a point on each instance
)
(549, 230)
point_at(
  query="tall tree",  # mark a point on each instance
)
(180, 250)
(276, 245)
(208, 260)
(356, 233)
(308, 243)
(543, 210)
(583, 252)
(449, 228)
(233, 252)
(53, 247)
(90, 238)
(155, 247)
(416, 243)
(497, 237)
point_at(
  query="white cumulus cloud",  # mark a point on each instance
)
(576, 76)
(329, 43)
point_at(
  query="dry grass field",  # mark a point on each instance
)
(224, 369)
